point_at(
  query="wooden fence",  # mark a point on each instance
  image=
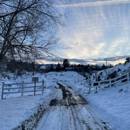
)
(120, 80)
(31, 88)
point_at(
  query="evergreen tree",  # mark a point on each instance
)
(128, 59)
(66, 63)
(51, 68)
(58, 67)
(103, 66)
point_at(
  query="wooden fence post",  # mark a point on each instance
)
(42, 86)
(22, 87)
(2, 90)
(109, 82)
(99, 83)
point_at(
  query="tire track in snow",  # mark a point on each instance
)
(73, 115)
(99, 120)
(87, 119)
(65, 125)
(50, 119)
(77, 121)
(82, 118)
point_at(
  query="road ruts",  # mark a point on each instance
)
(70, 113)
(50, 120)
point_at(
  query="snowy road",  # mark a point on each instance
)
(70, 113)
(68, 118)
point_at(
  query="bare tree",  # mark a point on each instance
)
(27, 28)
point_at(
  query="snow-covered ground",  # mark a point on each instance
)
(14, 111)
(111, 104)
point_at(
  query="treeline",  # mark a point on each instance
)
(19, 67)
(79, 68)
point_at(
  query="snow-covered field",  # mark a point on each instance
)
(111, 104)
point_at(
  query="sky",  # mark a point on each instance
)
(95, 31)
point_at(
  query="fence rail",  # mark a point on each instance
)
(120, 80)
(31, 87)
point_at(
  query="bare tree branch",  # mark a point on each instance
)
(26, 23)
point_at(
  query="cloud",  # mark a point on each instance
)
(110, 60)
(80, 61)
(115, 58)
(96, 32)
(97, 3)
(60, 60)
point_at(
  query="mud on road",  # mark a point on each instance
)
(69, 98)
(69, 113)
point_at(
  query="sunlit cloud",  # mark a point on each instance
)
(110, 60)
(97, 3)
(95, 30)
